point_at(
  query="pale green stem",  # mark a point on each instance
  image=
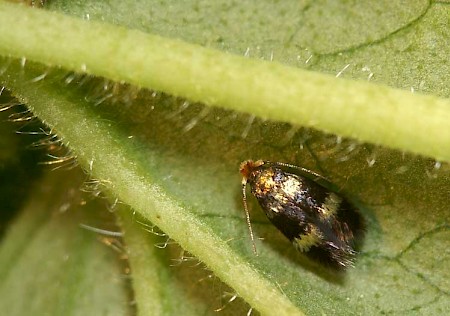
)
(364, 111)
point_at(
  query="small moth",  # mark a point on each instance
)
(317, 220)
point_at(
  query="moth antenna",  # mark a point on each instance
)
(282, 164)
(247, 214)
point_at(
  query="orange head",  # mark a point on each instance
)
(248, 166)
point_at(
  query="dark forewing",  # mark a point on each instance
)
(312, 217)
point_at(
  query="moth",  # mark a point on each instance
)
(316, 219)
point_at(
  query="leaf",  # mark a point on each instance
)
(167, 280)
(378, 114)
(49, 265)
(125, 171)
(180, 164)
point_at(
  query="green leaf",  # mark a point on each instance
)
(51, 266)
(131, 173)
(166, 279)
(176, 163)
(377, 114)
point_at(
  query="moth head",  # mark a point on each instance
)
(247, 167)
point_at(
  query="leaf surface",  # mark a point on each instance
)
(175, 162)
